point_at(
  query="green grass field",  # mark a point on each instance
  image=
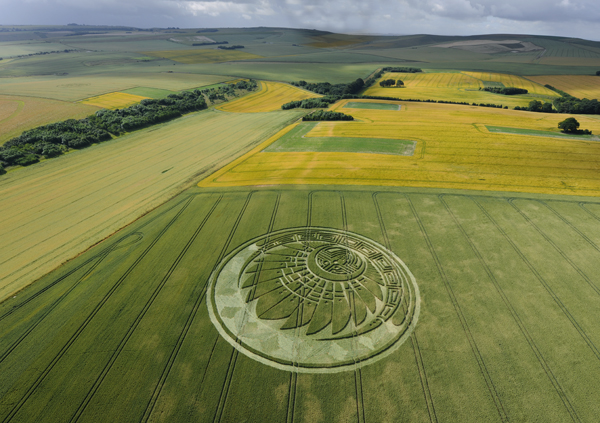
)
(297, 141)
(227, 266)
(501, 335)
(532, 132)
(372, 106)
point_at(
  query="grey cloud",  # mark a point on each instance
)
(459, 17)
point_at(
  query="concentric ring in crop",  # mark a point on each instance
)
(313, 300)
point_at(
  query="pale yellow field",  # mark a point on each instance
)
(459, 87)
(115, 100)
(202, 56)
(580, 86)
(513, 81)
(81, 87)
(18, 114)
(436, 80)
(270, 97)
(454, 150)
(54, 210)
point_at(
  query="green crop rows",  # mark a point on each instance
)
(509, 289)
(372, 106)
(296, 141)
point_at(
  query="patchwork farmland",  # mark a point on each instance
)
(423, 262)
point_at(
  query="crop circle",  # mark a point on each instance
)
(313, 299)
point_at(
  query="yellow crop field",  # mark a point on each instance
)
(513, 81)
(54, 210)
(436, 80)
(580, 86)
(81, 87)
(463, 87)
(113, 100)
(270, 97)
(203, 56)
(454, 150)
(466, 80)
(18, 114)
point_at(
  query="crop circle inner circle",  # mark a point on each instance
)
(313, 300)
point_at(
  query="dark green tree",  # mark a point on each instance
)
(534, 106)
(569, 125)
(597, 72)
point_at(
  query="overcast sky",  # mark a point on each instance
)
(576, 18)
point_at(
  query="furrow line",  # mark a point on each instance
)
(227, 384)
(461, 317)
(413, 337)
(85, 263)
(173, 356)
(547, 369)
(90, 317)
(134, 325)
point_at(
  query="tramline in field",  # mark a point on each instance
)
(422, 262)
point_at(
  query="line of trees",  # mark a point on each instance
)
(564, 104)
(321, 115)
(310, 103)
(235, 47)
(537, 106)
(402, 70)
(392, 83)
(55, 139)
(334, 90)
(506, 90)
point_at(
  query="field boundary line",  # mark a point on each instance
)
(91, 316)
(462, 319)
(413, 337)
(213, 177)
(85, 263)
(539, 277)
(183, 334)
(358, 385)
(294, 375)
(291, 407)
(133, 326)
(52, 306)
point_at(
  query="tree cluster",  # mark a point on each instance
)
(210, 44)
(597, 73)
(310, 103)
(392, 83)
(537, 106)
(402, 70)
(53, 140)
(506, 90)
(321, 115)
(235, 47)
(571, 126)
(325, 88)
(577, 106)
